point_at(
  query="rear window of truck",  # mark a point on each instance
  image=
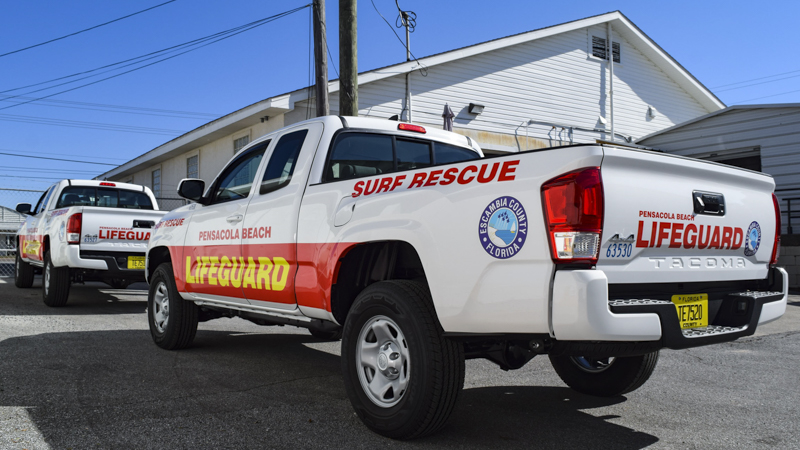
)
(103, 197)
(356, 155)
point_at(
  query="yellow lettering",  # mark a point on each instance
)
(265, 267)
(212, 271)
(236, 277)
(282, 267)
(203, 270)
(189, 278)
(250, 274)
(223, 273)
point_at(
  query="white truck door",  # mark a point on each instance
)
(270, 225)
(213, 267)
(31, 239)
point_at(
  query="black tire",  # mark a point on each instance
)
(118, 283)
(605, 377)
(55, 283)
(430, 365)
(23, 272)
(326, 335)
(179, 325)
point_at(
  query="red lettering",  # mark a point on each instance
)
(385, 183)
(462, 179)
(358, 189)
(653, 235)
(482, 178)
(714, 238)
(371, 187)
(663, 232)
(674, 241)
(418, 179)
(433, 177)
(738, 236)
(449, 176)
(640, 242)
(507, 172)
(727, 233)
(398, 180)
(701, 244)
(690, 236)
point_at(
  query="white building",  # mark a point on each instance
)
(551, 84)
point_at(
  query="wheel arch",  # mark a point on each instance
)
(155, 257)
(371, 262)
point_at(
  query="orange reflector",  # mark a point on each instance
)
(411, 127)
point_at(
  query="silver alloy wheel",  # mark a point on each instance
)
(383, 361)
(592, 365)
(161, 307)
(46, 280)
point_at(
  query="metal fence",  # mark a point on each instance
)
(10, 221)
(168, 204)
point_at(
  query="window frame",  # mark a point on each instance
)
(431, 148)
(243, 147)
(156, 194)
(197, 165)
(263, 190)
(590, 48)
(211, 192)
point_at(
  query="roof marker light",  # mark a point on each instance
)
(411, 127)
(105, 183)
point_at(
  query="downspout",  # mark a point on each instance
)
(610, 49)
(408, 74)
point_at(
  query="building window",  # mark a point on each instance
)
(239, 144)
(191, 167)
(599, 49)
(157, 183)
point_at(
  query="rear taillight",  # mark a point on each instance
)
(74, 224)
(776, 249)
(573, 211)
(411, 127)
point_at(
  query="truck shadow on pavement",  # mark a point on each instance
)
(116, 389)
(89, 298)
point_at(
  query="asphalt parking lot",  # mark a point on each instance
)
(88, 376)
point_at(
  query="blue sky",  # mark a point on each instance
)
(719, 42)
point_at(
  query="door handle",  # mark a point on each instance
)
(234, 219)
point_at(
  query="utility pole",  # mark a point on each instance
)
(404, 18)
(321, 59)
(348, 59)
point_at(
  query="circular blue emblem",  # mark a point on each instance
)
(752, 239)
(503, 227)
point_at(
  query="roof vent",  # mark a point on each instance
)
(599, 49)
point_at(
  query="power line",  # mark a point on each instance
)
(756, 84)
(122, 109)
(84, 30)
(37, 169)
(27, 152)
(422, 69)
(756, 79)
(33, 178)
(57, 159)
(89, 125)
(768, 96)
(212, 38)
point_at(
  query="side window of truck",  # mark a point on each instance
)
(446, 154)
(356, 155)
(412, 154)
(235, 182)
(281, 164)
(42, 205)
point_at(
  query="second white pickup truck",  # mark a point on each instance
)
(85, 230)
(422, 253)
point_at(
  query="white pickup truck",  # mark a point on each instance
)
(420, 253)
(85, 230)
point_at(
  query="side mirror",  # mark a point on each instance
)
(23, 208)
(192, 189)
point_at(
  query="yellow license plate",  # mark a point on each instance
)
(692, 310)
(136, 262)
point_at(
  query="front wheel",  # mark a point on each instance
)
(55, 283)
(402, 375)
(173, 320)
(23, 272)
(605, 377)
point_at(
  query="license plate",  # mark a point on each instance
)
(136, 262)
(692, 310)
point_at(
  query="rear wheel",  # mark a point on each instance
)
(402, 375)
(23, 272)
(55, 283)
(173, 320)
(605, 377)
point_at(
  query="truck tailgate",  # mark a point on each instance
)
(673, 219)
(117, 229)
